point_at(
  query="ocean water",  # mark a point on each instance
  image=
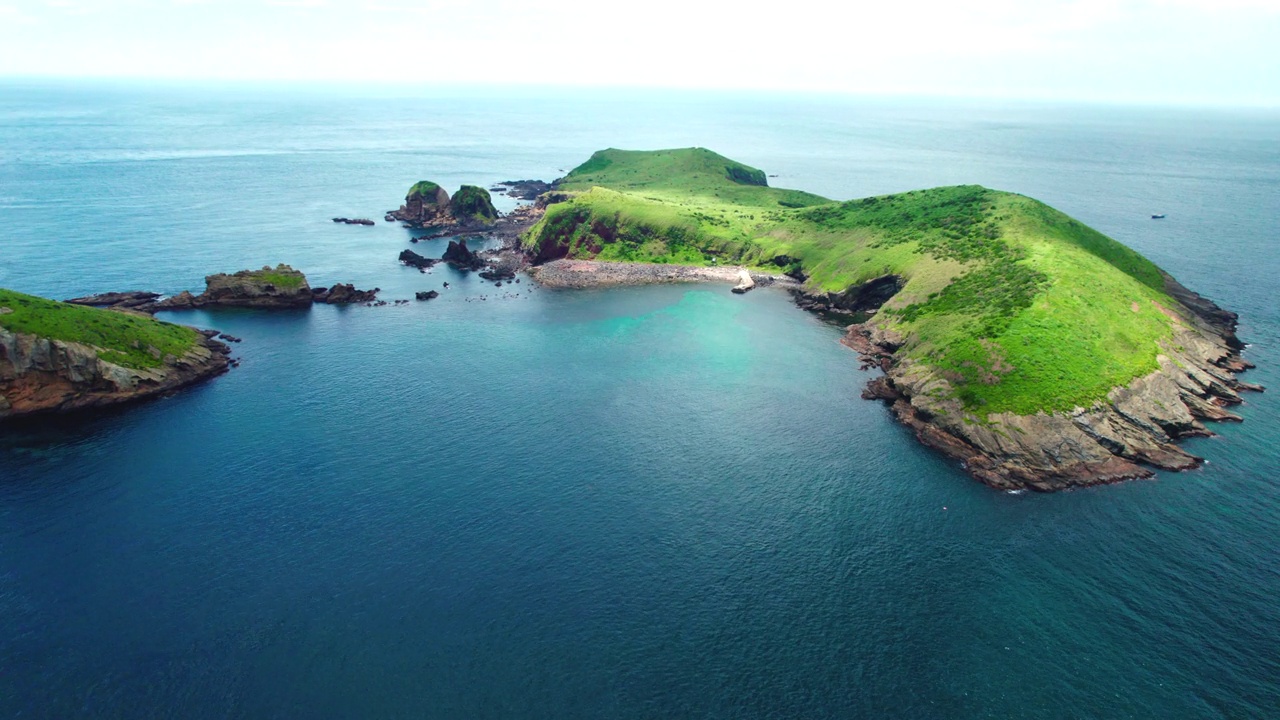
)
(645, 502)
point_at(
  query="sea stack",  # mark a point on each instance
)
(425, 204)
(428, 205)
(472, 204)
(461, 257)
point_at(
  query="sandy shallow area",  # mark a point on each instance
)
(593, 273)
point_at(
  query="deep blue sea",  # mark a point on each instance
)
(657, 502)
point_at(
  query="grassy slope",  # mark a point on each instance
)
(425, 188)
(286, 280)
(473, 203)
(1021, 307)
(667, 206)
(121, 339)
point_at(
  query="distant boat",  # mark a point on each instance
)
(1158, 217)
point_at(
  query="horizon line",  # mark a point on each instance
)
(418, 88)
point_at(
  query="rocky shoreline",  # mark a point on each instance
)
(508, 227)
(583, 274)
(1128, 435)
(43, 376)
(1120, 438)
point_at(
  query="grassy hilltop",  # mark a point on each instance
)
(130, 341)
(473, 203)
(1020, 307)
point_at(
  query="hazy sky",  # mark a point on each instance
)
(1184, 51)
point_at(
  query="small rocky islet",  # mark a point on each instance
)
(935, 288)
(279, 287)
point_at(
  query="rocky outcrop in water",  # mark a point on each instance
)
(344, 294)
(525, 189)
(182, 301)
(278, 287)
(425, 204)
(428, 206)
(355, 221)
(1122, 437)
(461, 257)
(503, 264)
(39, 375)
(413, 259)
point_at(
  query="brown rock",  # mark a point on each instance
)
(278, 287)
(39, 375)
(1135, 426)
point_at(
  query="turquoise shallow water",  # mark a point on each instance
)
(663, 501)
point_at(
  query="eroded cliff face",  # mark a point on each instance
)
(1120, 438)
(39, 375)
(425, 205)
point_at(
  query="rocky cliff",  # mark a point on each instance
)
(1123, 437)
(42, 375)
(426, 204)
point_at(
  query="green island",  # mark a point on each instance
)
(473, 203)
(131, 341)
(1025, 308)
(1035, 351)
(424, 188)
(1000, 307)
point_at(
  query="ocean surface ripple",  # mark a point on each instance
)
(643, 502)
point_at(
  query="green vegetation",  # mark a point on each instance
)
(472, 203)
(685, 174)
(286, 279)
(1020, 307)
(425, 189)
(128, 340)
(744, 175)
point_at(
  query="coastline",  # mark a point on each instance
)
(1127, 435)
(582, 274)
(1123, 435)
(40, 376)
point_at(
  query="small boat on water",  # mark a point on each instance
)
(1158, 217)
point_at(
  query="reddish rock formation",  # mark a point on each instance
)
(39, 375)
